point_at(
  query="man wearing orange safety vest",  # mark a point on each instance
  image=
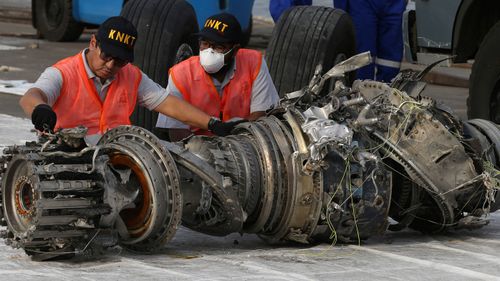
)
(99, 88)
(225, 81)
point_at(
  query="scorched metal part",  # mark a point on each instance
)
(324, 166)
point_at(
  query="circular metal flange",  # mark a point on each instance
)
(158, 210)
(270, 177)
(280, 178)
(20, 197)
(249, 178)
(278, 226)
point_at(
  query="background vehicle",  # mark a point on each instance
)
(466, 29)
(64, 20)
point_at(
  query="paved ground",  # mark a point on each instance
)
(407, 255)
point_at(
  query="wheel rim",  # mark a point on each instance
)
(54, 13)
(148, 225)
(20, 189)
(24, 196)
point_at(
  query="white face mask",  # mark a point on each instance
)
(211, 60)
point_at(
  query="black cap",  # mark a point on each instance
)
(221, 28)
(117, 37)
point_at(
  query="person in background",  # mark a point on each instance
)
(99, 87)
(277, 7)
(225, 81)
(378, 25)
(379, 29)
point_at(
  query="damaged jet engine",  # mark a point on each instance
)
(324, 166)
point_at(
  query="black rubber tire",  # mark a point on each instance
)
(412, 34)
(162, 26)
(473, 131)
(492, 134)
(304, 37)
(484, 89)
(245, 37)
(55, 22)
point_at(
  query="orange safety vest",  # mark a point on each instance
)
(80, 104)
(197, 87)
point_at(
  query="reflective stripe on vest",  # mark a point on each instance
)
(197, 87)
(79, 103)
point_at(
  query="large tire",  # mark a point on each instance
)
(54, 20)
(162, 26)
(247, 33)
(304, 37)
(484, 90)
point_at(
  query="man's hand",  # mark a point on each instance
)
(222, 128)
(43, 117)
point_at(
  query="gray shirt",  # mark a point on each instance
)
(264, 95)
(149, 93)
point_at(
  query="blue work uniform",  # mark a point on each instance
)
(378, 25)
(277, 7)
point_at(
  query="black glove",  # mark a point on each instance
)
(222, 128)
(43, 117)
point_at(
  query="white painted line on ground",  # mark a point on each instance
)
(134, 262)
(484, 240)
(10, 48)
(260, 268)
(485, 257)
(16, 87)
(473, 275)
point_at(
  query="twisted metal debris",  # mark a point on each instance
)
(324, 166)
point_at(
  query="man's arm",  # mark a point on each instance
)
(181, 110)
(31, 99)
(46, 90)
(156, 98)
(36, 102)
(176, 129)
